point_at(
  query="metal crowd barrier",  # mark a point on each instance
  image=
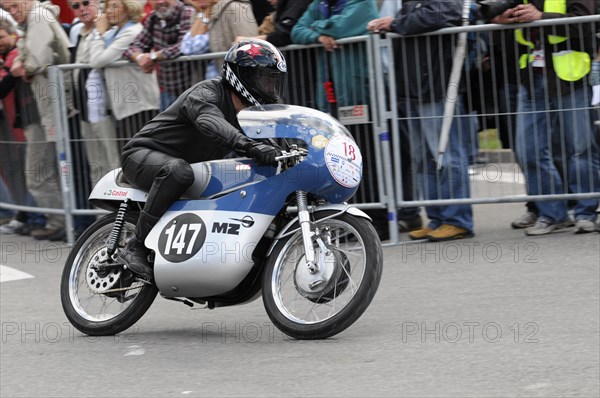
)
(489, 117)
(367, 105)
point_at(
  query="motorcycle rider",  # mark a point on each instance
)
(200, 125)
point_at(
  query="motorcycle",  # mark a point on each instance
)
(234, 234)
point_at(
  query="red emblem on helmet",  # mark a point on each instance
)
(254, 50)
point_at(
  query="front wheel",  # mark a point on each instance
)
(98, 298)
(305, 304)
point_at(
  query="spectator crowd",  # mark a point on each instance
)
(543, 75)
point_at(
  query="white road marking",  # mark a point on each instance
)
(8, 274)
(537, 386)
(134, 350)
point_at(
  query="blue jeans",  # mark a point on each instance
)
(551, 127)
(31, 217)
(6, 198)
(452, 180)
(166, 99)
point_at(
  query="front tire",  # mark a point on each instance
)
(307, 305)
(102, 303)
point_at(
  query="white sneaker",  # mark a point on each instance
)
(585, 226)
(544, 227)
(525, 221)
(11, 227)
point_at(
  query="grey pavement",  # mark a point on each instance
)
(498, 315)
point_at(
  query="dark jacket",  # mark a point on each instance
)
(423, 63)
(287, 14)
(580, 38)
(201, 125)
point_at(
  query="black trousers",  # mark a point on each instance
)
(165, 178)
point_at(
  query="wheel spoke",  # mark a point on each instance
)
(296, 294)
(95, 306)
(354, 253)
(87, 300)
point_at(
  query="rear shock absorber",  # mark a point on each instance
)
(115, 234)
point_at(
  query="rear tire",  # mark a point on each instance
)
(81, 286)
(321, 305)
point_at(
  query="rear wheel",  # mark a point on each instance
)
(98, 297)
(317, 305)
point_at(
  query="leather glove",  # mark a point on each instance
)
(262, 153)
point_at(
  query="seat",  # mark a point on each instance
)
(202, 174)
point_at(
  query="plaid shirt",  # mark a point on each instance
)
(165, 36)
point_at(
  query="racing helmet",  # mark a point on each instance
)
(256, 70)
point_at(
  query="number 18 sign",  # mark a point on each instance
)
(344, 161)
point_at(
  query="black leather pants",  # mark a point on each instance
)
(165, 178)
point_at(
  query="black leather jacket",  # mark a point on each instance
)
(201, 125)
(423, 63)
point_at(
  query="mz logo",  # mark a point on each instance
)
(232, 228)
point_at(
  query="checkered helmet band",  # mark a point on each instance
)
(237, 85)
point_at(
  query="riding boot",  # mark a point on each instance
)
(135, 254)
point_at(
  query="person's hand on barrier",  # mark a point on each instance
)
(504, 18)
(526, 13)
(328, 42)
(241, 38)
(380, 24)
(519, 14)
(145, 62)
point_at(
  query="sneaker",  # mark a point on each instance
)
(420, 233)
(135, 256)
(51, 234)
(544, 227)
(11, 227)
(585, 226)
(525, 221)
(567, 223)
(410, 224)
(448, 232)
(28, 229)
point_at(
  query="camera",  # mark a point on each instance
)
(488, 9)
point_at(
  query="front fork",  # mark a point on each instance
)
(307, 233)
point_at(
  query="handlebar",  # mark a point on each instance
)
(292, 154)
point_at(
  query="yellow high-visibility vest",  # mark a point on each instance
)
(569, 65)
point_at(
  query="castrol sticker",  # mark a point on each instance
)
(344, 161)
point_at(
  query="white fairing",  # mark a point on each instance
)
(107, 189)
(204, 253)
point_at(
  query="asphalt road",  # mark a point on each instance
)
(497, 315)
